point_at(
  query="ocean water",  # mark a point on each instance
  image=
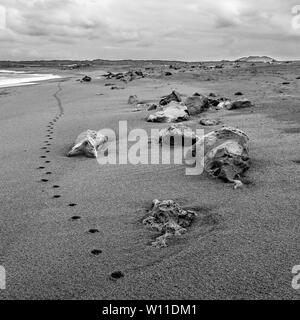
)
(10, 78)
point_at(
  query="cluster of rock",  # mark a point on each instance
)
(140, 106)
(168, 218)
(172, 108)
(125, 76)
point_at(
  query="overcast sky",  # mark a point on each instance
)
(190, 30)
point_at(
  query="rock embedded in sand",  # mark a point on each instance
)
(174, 96)
(152, 107)
(86, 79)
(144, 107)
(223, 105)
(239, 104)
(173, 112)
(209, 122)
(197, 104)
(133, 100)
(226, 154)
(88, 144)
(117, 88)
(177, 135)
(168, 218)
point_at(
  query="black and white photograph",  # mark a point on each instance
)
(149, 152)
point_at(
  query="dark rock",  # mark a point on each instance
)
(197, 104)
(174, 96)
(117, 275)
(152, 107)
(133, 100)
(86, 79)
(239, 104)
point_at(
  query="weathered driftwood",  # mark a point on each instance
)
(226, 154)
(168, 218)
(88, 144)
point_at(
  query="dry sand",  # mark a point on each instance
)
(244, 248)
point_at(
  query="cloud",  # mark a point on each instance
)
(168, 29)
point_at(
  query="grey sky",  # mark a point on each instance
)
(147, 29)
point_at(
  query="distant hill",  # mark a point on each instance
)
(256, 59)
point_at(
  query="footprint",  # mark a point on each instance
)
(93, 231)
(43, 157)
(47, 161)
(117, 275)
(75, 218)
(49, 172)
(96, 252)
(43, 148)
(57, 196)
(56, 186)
(72, 205)
(40, 168)
(44, 180)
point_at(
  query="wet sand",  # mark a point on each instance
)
(62, 238)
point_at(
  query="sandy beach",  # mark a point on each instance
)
(244, 246)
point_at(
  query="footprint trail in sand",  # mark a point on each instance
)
(46, 148)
